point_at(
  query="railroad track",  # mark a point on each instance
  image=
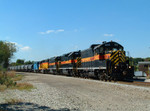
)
(127, 82)
(136, 83)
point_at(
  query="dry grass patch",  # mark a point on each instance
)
(17, 78)
(3, 87)
(13, 101)
(14, 76)
(23, 86)
(148, 77)
(11, 74)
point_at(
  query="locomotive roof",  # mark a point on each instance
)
(109, 44)
(94, 45)
(74, 53)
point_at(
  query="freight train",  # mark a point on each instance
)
(106, 61)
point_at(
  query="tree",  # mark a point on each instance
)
(147, 59)
(19, 62)
(7, 50)
(29, 62)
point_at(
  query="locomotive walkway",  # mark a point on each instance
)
(60, 93)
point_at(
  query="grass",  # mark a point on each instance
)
(9, 81)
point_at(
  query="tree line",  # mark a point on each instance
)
(134, 61)
(21, 62)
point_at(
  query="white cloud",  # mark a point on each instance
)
(26, 48)
(49, 31)
(109, 35)
(21, 47)
(52, 31)
(60, 30)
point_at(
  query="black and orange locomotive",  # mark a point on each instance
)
(106, 61)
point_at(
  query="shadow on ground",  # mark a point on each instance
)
(29, 107)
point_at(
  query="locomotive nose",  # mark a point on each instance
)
(117, 57)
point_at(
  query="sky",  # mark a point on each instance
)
(45, 28)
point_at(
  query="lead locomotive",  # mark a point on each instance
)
(106, 61)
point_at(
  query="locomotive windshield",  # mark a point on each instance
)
(111, 49)
(112, 46)
(108, 47)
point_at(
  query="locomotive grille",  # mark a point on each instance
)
(117, 57)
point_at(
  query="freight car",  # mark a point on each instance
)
(106, 61)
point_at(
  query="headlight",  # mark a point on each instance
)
(129, 67)
(115, 67)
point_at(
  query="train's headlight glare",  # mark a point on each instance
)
(129, 67)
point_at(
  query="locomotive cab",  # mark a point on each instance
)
(107, 48)
(117, 66)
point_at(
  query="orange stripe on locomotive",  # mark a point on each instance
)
(88, 59)
(44, 65)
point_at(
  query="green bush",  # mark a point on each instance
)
(5, 80)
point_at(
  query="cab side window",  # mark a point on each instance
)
(96, 52)
(101, 50)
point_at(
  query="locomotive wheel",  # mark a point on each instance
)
(100, 77)
(70, 73)
(110, 79)
(82, 75)
(115, 79)
(85, 75)
(106, 78)
(74, 74)
(43, 71)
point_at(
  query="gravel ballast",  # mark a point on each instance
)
(60, 93)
